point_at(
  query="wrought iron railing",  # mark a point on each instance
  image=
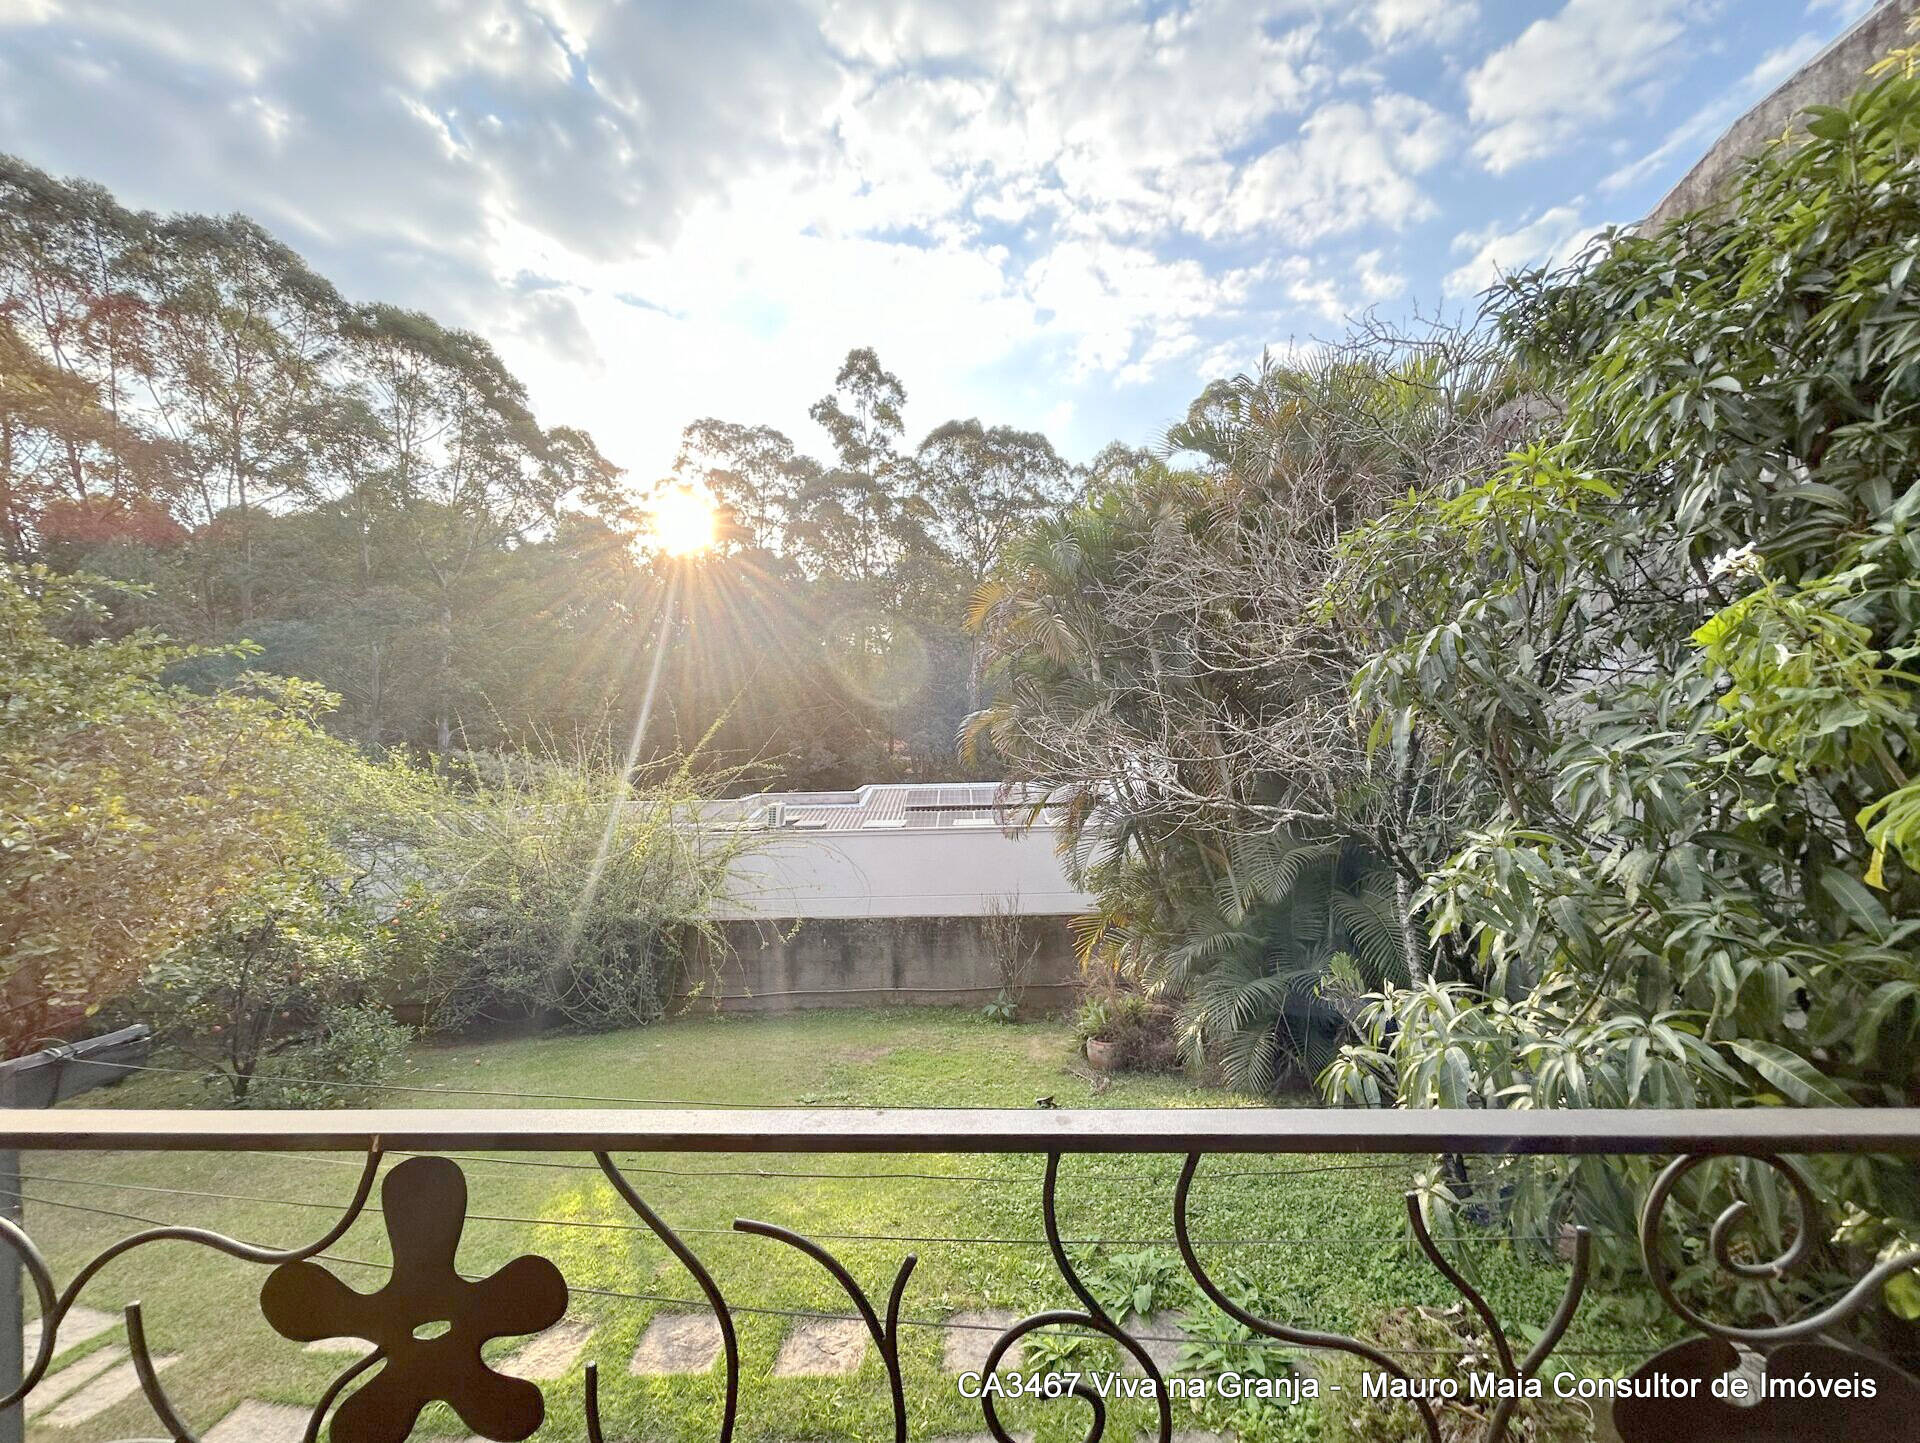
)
(427, 1325)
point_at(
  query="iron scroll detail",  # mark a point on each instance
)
(709, 1288)
(1090, 1315)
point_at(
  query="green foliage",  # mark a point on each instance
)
(368, 496)
(1664, 653)
(1136, 1284)
(357, 1047)
(277, 987)
(1218, 1345)
(134, 813)
(1004, 1007)
(1268, 967)
(1446, 1342)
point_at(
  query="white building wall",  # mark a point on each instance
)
(905, 872)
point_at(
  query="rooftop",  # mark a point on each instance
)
(885, 806)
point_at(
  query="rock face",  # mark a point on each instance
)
(1827, 79)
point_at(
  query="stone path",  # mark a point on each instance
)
(677, 1343)
(821, 1348)
(345, 1347)
(102, 1392)
(79, 1325)
(551, 1354)
(969, 1337)
(58, 1385)
(1153, 1325)
(261, 1423)
(672, 1344)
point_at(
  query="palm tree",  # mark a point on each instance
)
(1268, 967)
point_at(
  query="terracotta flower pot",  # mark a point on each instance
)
(1103, 1056)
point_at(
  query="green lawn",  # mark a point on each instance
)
(202, 1307)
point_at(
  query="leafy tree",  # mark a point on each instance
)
(1669, 648)
(461, 471)
(279, 987)
(1169, 675)
(858, 515)
(74, 330)
(755, 474)
(132, 813)
(240, 334)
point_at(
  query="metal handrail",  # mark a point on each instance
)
(1644, 1132)
(424, 1197)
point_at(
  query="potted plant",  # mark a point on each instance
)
(1098, 1027)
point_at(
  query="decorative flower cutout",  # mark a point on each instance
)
(1815, 1397)
(428, 1322)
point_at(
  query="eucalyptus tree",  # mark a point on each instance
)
(860, 513)
(461, 472)
(982, 485)
(75, 321)
(243, 333)
(757, 477)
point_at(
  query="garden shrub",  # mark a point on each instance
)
(134, 812)
(352, 1049)
(280, 985)
(1142, 1028)
(568, 895)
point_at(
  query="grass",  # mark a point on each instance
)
(1347, 1266)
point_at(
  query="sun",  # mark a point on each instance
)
(685, 521)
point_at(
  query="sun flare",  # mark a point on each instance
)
(685, 521)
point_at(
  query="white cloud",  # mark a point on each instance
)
(1433, 22)
(705, 205)
(1376, 279)
(1555, 235)
(1563, 75)
(1128, 311)
(1847, 10)
(1353, 166)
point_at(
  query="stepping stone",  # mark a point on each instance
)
(255, 1422)
(346, 1347)
(550, 1355)
(79, 1325)
(677, 1343)
(969, 1337)
(56, 1386)
(822, 1347)
(100, 1394)
(1154, 1325)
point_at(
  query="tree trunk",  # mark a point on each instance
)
(1413, 949)
(443, 721)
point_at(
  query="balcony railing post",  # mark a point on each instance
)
(13, 1421)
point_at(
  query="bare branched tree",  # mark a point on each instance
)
(1173, 657)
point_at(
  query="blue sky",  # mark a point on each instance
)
(1065, 214)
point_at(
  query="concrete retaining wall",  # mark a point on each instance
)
(1827, 79)
(864, 962)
